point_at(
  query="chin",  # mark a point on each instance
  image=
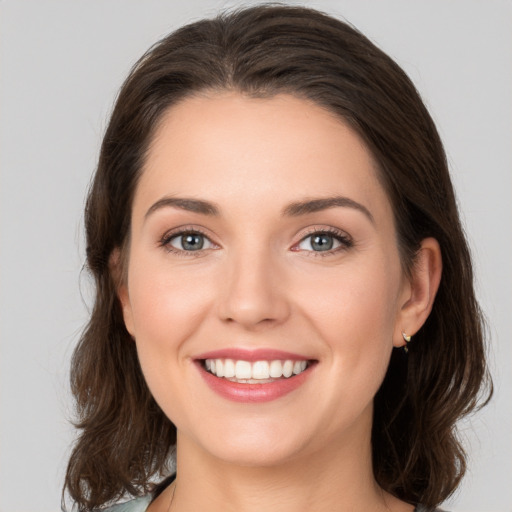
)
(260, 444)
(256, 453)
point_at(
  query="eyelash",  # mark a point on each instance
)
(165, 241)
(345, 241)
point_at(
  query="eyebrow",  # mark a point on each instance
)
(188, 204)
(294, 209)
(316, 205)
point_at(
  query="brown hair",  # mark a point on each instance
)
(262, 51)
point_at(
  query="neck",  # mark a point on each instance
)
(335, 479)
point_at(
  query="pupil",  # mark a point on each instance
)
(322, 242)
(192, 242)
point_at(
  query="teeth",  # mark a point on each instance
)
(288, 368)
(257, 371)
(260, 370)
(229, 368)
(299, 367)
(276, 369)
(219, 367)
(242, 370)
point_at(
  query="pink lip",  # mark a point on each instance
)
(252, 393)
(251, 355)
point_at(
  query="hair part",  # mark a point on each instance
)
(125, 439)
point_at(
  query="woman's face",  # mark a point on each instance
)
(262, 244)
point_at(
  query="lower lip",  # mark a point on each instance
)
(253, 393)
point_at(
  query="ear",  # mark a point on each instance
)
(120, 279)
(419, 291)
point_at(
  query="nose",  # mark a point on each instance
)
(253, 292)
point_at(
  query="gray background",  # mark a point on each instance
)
(61, 63)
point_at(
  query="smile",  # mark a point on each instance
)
(255, 372)
(253, 376)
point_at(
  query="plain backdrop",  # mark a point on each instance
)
(61, 63)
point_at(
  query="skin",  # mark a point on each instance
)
(258, 283)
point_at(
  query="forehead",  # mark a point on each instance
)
(225, 146)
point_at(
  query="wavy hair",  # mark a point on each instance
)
(125, 439)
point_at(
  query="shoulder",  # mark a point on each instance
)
(423, 508)
(142, 503)
(136, 505)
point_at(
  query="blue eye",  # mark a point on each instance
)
(189, 242)
(322, 241)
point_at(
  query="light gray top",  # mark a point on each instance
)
(142, 504)
(136, 505)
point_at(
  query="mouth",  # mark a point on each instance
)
(257, 372)
(254, 376)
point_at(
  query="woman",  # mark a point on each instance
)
(284, 291)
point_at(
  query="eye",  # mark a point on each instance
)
(324, 241)
(187, 241)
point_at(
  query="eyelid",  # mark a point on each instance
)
(169, 235)
(343, 237)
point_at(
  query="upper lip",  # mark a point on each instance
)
(243, 354)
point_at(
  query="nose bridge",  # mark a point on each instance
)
(253, 293)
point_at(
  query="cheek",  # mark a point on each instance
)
(166, 313)
(353, 310)
(358, 299)
(166, 306)
(167, 309)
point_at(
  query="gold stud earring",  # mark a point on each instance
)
(407, 339)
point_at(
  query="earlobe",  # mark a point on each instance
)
(124, 299)
(116, 271)
(421, 291)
